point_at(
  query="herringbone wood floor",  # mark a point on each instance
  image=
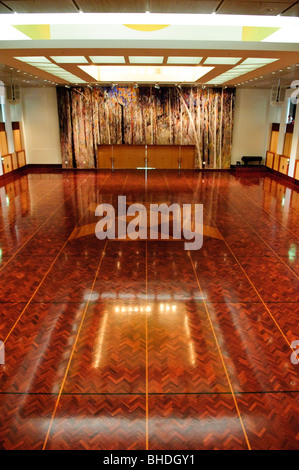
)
(143, 345)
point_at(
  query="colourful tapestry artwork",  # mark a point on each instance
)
(90, 116)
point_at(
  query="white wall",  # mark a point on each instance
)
(41, 128)
(253, 116)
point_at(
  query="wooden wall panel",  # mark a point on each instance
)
(128, 156)
(104, 156)
(3, 143)
(21, 158)
(7, 163)
(188, 157)
(17, 140)
(163, 157)
(167, 156)
(270, 159)
(296, 175)
(16, 131)
(276, 162)
(274, 141)
(158, 156)
(283, 164)
(287, 144)
(15, 163)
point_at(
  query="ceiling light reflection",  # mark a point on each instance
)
(148, 308)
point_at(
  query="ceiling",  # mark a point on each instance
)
(223, 7)
(215, 68)
(83, 55)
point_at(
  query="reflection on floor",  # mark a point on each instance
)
(143, 345)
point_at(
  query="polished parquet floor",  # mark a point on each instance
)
(141, 344)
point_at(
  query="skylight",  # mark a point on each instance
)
(184, 60)
(102, 59)
(145, 74)
(222, 60)
(70, 59)
(33, 59)
(145, 60)
(234, 73)
(258, 60)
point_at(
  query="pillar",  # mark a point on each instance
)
(295, 144)
(283, 120)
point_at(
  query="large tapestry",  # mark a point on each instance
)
(90, 116)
